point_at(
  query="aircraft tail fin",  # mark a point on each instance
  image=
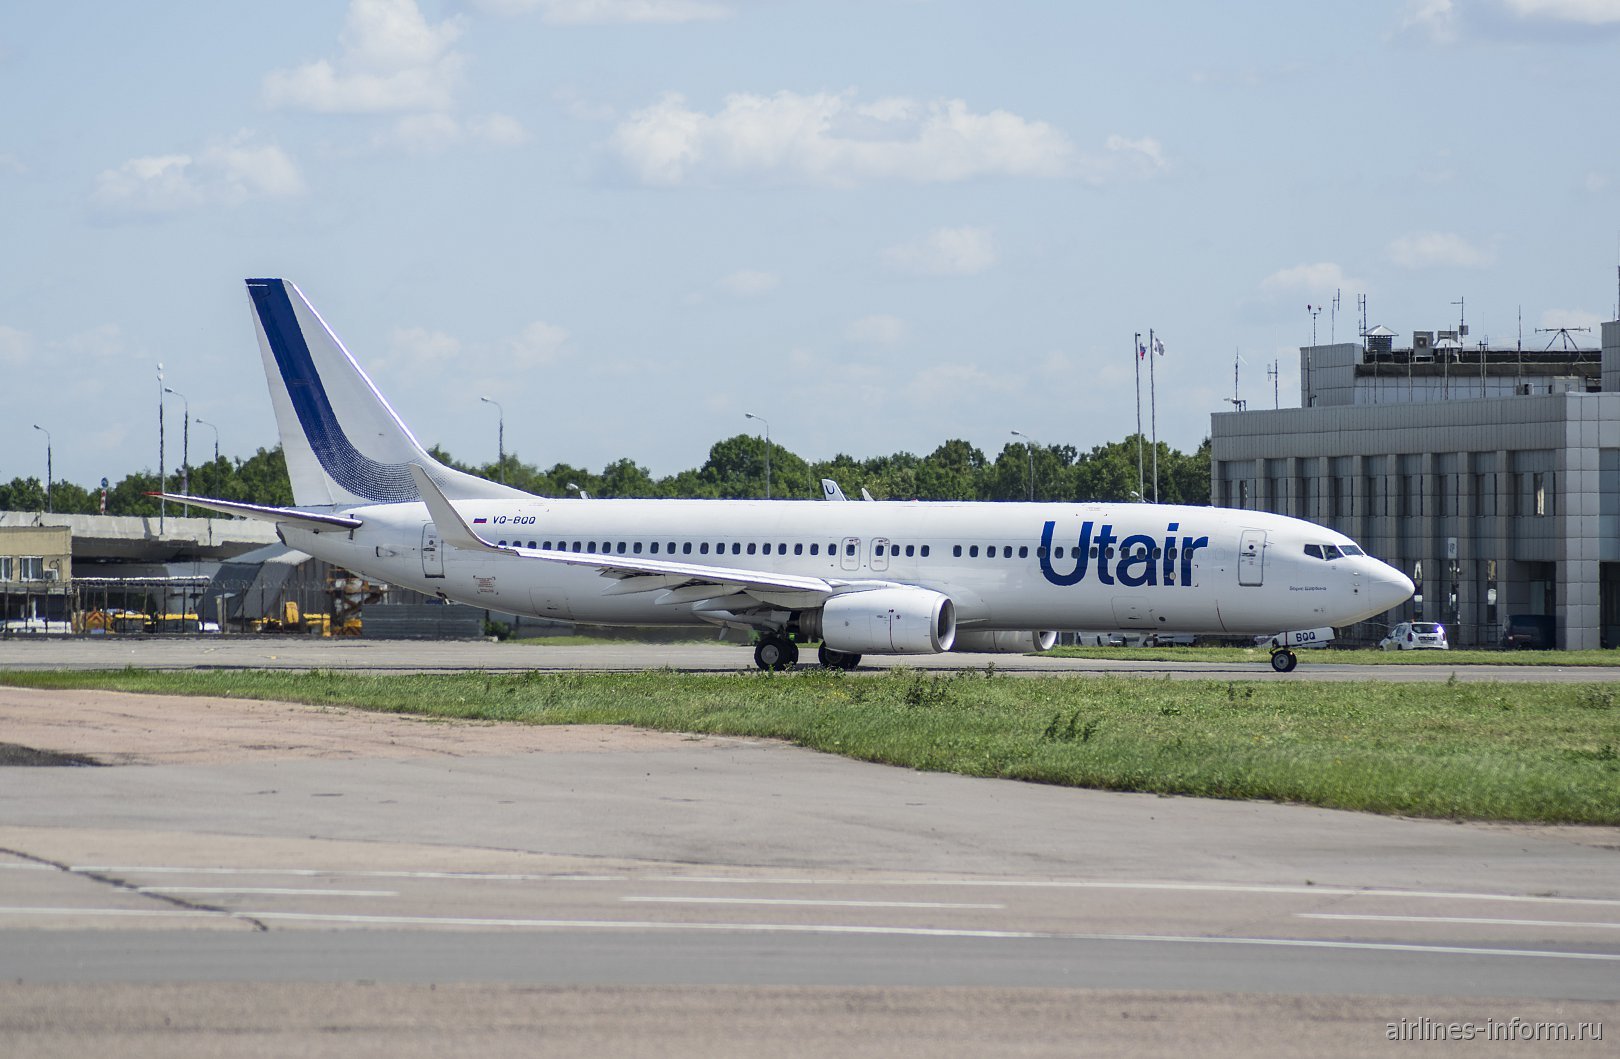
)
(344, 444)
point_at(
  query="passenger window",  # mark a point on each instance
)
(1058, 551)
(500, 544)
(750, 548)
(576, 546)
(672, 547)
(654, 547)
(736, 548)
(911, 549)
(973, 551)
(815, 549)
(925, 551)
(704, 548)
(1155, 553)
(637, 548)
(531, 544)
(877, 550)
(1109, 554)
(1093, 552)
(686, 548)
(1006, 553)
(546, 545)
(621, 548)
(956, 550)
(849, 549)
(1040, 552)
(798, 549)
(781, 549)
(1023, 551)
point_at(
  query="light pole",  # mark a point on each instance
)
(1029, 450)
(185, 450)
(48, 472)
(500, 435)
(205, 423)
(163, 504)
(750, 415)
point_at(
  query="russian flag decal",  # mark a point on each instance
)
(479, 521)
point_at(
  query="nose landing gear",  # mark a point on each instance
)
(1283, 660)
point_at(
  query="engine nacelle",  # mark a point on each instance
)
(1004, 643)
(886, 621)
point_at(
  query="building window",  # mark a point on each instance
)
(7, 568)
(30, 568)
(1538, 492)
(1243, 492)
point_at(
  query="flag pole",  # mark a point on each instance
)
(1153, 410)
(1136, 358)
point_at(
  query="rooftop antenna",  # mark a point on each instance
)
(1561, 334)
(1361, 303)
(1238, 404)
(1274, 373)
(1333, 317)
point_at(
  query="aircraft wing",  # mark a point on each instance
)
(681, 582)
(313, 520)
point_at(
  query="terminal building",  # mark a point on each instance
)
(1489, 476)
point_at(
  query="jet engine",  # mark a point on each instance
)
(884, 621)
(1002, 643)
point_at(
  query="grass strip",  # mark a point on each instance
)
(1345, 656)
(1482, 751)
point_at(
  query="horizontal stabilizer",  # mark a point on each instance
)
(315, 520)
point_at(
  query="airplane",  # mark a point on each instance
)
(885, 578)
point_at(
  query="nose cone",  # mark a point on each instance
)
(1389, 587)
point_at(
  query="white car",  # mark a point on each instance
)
(1416, 636)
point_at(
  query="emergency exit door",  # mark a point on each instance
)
(432, 552)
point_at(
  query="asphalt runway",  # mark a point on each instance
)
(259, 878)
(451, 656)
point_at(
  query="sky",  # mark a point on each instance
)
(876, 224)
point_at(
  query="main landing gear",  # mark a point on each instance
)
(776, 653)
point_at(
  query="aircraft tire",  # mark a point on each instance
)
(831, 659)
(776, 653)
(1284, 661)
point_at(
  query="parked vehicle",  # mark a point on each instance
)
(1538, 632)
(1416, 636)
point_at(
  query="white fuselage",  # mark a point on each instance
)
(1006, 566)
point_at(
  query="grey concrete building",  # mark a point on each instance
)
(1490, 476)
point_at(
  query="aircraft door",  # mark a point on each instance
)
(1251, 557)
(849, 555)
(881, 549)
(432, 552)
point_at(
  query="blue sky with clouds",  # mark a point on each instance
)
(878, 224)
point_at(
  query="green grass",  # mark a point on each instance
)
(1490, 751)
(1346, 656)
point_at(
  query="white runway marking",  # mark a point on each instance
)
(1479, 921)
(1025, 884)
(816, 928)
(804, 903)
(270, 891)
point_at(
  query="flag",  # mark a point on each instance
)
(1141, 352)
(479, 521)
(1158, 347)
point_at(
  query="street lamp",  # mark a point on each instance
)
(205, 423)
(185, 449)
(500, 434)
(750, 415)
(163, 503)
(48, 472)
(1029, 450)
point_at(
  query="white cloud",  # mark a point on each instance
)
(392, 60)
(1321, 278)
(536, 345)
(1553, 319)
(418, 352)
(1580, 12)
(749, 283)
(877, 330)
(434, 131)
(1437, 250)
(502, 130)
(16, 347)
(225, 174)
(1596, 182)
(963, 251)
(1436, 18)
(581, 12)
(828, 138)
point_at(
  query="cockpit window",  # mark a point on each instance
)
(1351, 549)
(1330, 551)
